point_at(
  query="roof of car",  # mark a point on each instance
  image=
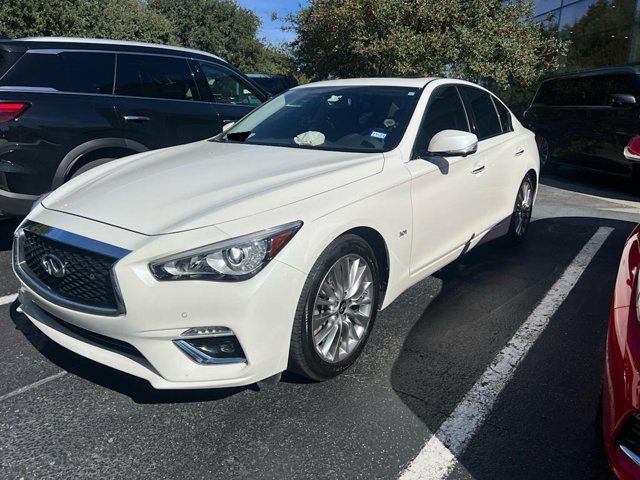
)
(633, 68)
(381, 82)
(121, 43)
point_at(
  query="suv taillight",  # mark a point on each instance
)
(11, 110)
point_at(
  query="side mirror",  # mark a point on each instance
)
(227, 126)
(622, 100)
(453, 143)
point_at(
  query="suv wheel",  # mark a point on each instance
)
(336, 310)
(544, 149)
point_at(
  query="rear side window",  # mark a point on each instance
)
(577, 91)
(154, 77)
(484, 112)
(445, 112)
(77, 72)
(504, 115)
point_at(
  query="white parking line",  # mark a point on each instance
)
(8, 298)
(437, 459)
(32, 385)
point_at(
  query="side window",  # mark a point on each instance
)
(445, 112)
(504, 115)
(622, 84)
(226, 87)
(154, 77)
(77, 72)
(485, 115)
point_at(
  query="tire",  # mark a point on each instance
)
(321, 307)
(546, 153)
(522, 209)
(89, 166)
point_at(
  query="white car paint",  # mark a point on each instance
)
(157, 204)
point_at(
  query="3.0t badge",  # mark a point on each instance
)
(53, 265)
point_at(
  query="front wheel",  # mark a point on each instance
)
(336, 310)
(521, 216)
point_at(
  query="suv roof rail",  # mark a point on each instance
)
(101, 41)
(627, 67)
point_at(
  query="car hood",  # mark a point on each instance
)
(205, 183)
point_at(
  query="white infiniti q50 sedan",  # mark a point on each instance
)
(273, 245)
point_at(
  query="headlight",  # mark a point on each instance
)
(231, 260)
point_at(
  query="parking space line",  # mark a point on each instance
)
(8, 298)
(32, 385)
(438, 457)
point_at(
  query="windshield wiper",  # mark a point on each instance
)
(238, 136)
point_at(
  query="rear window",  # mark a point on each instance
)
(78, 72)
(578, 91)
(154, 77)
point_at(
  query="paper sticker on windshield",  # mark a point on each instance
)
(378, 135)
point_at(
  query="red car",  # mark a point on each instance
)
(621, 391)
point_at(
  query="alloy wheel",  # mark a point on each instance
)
(544, 151)
(342, 308)
(524, 204)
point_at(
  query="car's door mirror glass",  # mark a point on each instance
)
(453, 143)
(622, 100)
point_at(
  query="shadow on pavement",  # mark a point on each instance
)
(591, 183)
(546, 422)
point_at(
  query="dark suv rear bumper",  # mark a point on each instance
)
(15, 204)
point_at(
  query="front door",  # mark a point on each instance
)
(444, 191)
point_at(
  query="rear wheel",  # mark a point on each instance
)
(522, 210)
(336, 310)
(545, 152)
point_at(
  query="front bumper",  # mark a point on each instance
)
(259, 311)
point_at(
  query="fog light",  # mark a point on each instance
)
(213, 349)
(208, 331)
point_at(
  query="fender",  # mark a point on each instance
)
(74, 155)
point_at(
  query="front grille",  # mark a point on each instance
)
(87, 275)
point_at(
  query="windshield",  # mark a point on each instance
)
(358, 119)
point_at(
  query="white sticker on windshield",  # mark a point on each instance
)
(378, 135)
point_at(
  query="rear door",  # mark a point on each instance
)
(498, 149)
(158, 103)
(232, 95)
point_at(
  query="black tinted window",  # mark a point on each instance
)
(445, 112)
(155, 77)
(484, 112)
(622, 84)
(505, 116)
(80, 72)
(579, 91)
(226, 87)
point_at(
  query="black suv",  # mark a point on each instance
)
(67, 105)
(587, 119)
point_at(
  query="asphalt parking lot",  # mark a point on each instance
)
(63, 416)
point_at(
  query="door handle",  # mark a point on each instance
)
(519, 151)
(136, 118)
(478, 169)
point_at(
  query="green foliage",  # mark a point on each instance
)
(224, 28)
(481, 40)
(114, 19)
(217, 26)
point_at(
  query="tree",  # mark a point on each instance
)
(114, 19)
(221, 27)
(489, 40)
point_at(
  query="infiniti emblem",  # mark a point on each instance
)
(53, 265)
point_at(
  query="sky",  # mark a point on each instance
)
(264, 8)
